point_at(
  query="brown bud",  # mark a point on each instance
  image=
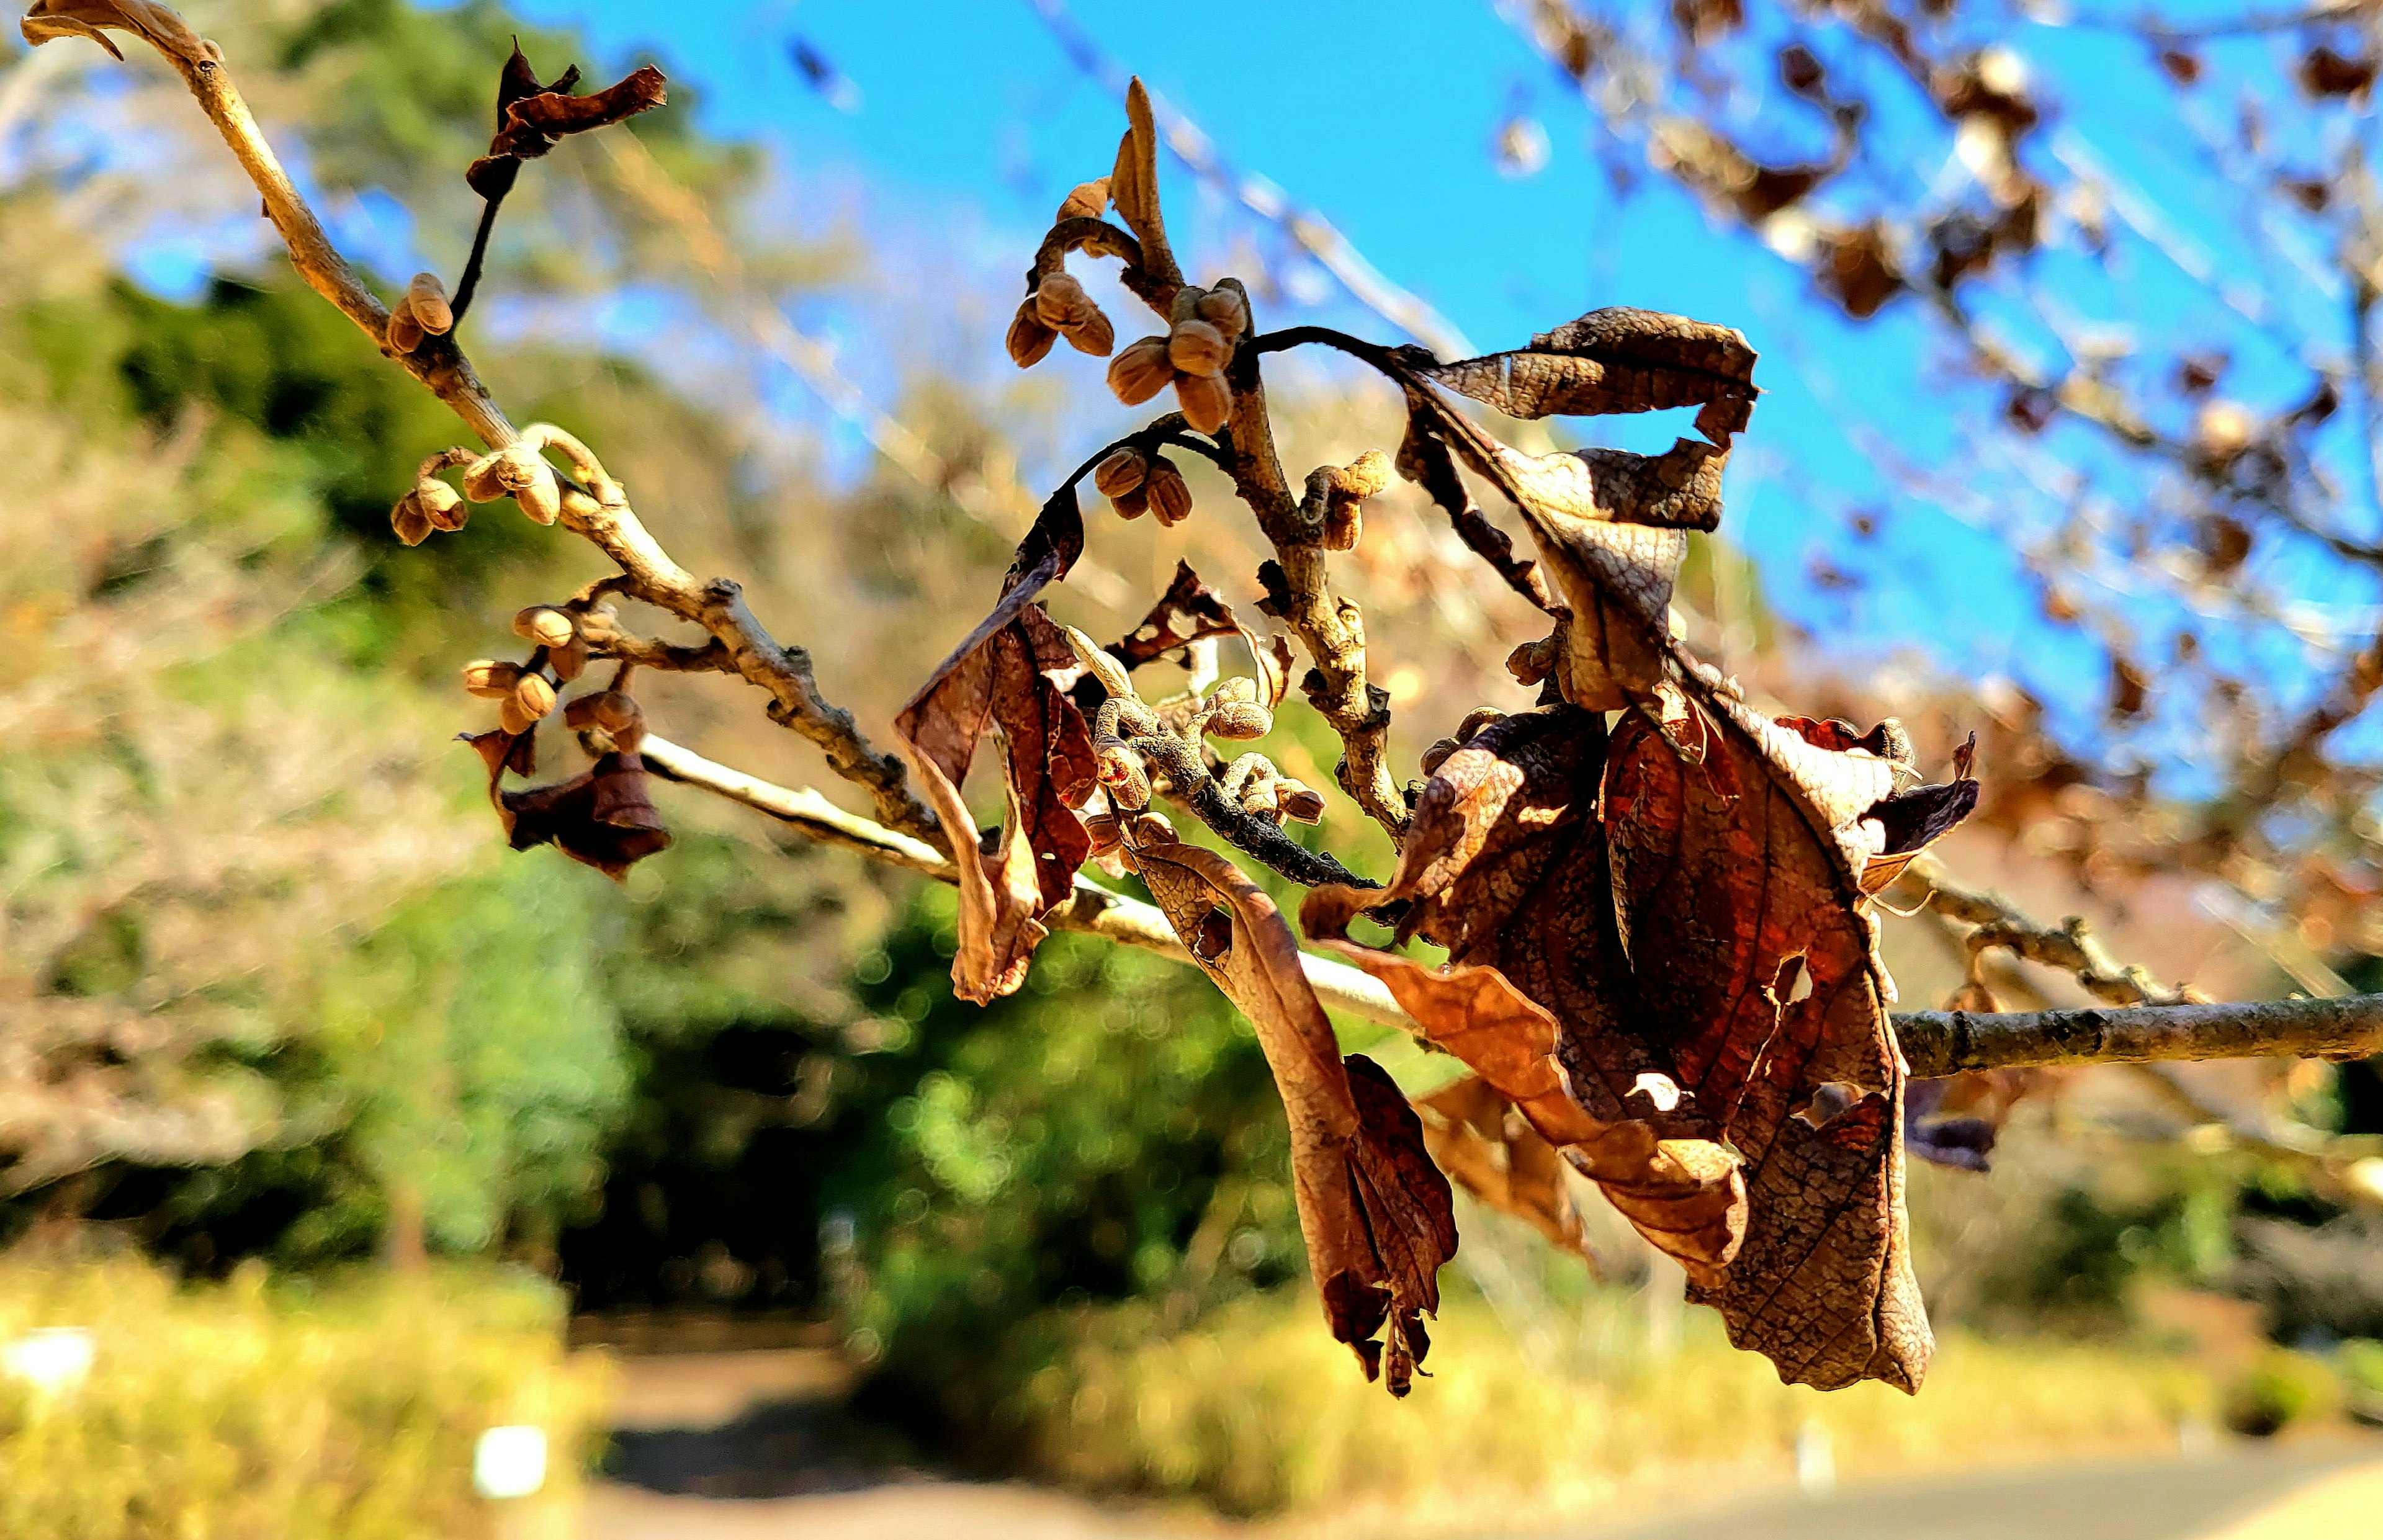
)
(410, 520)
(446, 508)
(518, 471)
(513, 717)
(1225, 310)
(1093, 335)
(1140, 370)
(1438, 755)
(1239, 721)
(1120, 472)
(1299, 801)
(1367, 475)
(491, 680)
(1130, 505)
(1207, 404)
(533, 695)
(1089, 200)
(546, 625)
(427, 297)
(1169, 495)
(1061, 302)
(1186, 303)
(405, 331)
(1239, 687)
(1197, 348)
(1029, 337)
(611, 709)
(570, 660)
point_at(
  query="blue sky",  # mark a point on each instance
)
(970, 121)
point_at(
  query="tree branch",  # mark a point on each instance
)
(607, 521)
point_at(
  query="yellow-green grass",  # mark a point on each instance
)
(244, 1409)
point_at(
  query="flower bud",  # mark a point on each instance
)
(408, 519)
(1061, 302)
(1130, 505)
(427, 297)
(1298, 801)
(513, 718)
(491, 680)
(1225, 310)
(1474, 720)
(1094, 335)
(1439, 754)
(1186, 304)
(546, 625)
(533, 695)
(1141, 371)
(1120, 472)
(1207, 404)
(405, 331)
(1239, 721)
(530, 481)
(570, 660)
(1170, 497)
(1029, 337)
(440, 501)
(1197, 348)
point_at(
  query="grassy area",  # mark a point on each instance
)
(349, 1410)
(1257, 1412)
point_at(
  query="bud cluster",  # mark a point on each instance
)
(1207, 327)
(525, 693)
(1058, 307)
(1138, 483)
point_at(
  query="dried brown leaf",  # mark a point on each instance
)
(1133, 186)
(1490, 1148)
(93, 18)
(603, 817)
(1374, 1210)
(1189, 611)
(1617, 359)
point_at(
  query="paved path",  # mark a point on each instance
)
(2166, 1499)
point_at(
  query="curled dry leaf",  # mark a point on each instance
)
(1011, 673)
(602, 816)
(93, 18)
(1491, 1149)
(1133, 186)
(531, 117)
(1375, 1211)
(1189, 611)
(1505, 866)
(1617, 359)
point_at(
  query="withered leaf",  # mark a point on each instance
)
(602, 816)
(1736, 847)
(1133, 185)
(1614, 359)
(531, 117)
(1189, 611)
(1911, 820)
(1480, 1140)
(91, 18)
(1425, 462)
(1011, 673)
(1505, 866)
(1374, 1210)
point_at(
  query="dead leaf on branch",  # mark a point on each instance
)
(1505, 866)
(1013, 674)
(531, 117)
(1617, 359)
(602, 816)
(1374, 1210)
(1736, 843)
(1189, 611)
(90, 19)
(1490, 1148)
(1133, 186)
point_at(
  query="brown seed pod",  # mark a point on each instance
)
(1093, 335)
(513, 717)
(427, 297)
(1140, 370)
(1130, 505)
(1207, 403)
(546, 625)
(491, 680)
(410, 520)
(1197, 348)
(1225, 310)
(1169, 495)
(1120, 472)
(1061, 302)
(1029, 338)
(533, 695)
(405, 331)
(1186, 303)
